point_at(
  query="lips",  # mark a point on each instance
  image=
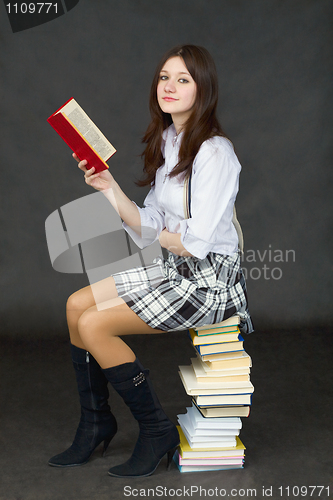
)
(169, 99)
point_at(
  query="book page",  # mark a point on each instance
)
(88, 129)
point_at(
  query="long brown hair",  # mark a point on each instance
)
(200, 126)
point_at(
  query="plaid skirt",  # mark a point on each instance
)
(177, 293)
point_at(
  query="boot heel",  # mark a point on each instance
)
(106, 445)
(170, 455)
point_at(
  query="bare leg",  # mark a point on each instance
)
(100, 332)
(82, 300)
(97, 329)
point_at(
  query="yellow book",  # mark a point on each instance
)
(214, 338)
(186, 451)
(227, 324)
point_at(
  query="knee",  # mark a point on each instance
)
(94, 325)
(87, 327)
(85, 321)
(75, 303)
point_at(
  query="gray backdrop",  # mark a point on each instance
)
(274, 61)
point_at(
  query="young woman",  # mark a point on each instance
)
(201, 281)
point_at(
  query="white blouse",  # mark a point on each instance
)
(214, 186)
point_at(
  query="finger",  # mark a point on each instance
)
(75, 156)
(90, 172)
(82, 165)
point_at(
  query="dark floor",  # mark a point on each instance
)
(288, 435)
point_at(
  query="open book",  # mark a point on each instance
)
(81, 134)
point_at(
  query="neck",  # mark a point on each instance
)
(179, 123)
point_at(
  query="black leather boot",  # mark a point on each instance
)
(97, 423)
(158, 435)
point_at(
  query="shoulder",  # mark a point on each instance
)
(217, 144)
(217, 150)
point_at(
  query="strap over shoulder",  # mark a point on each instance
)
(187, 212)
(238, 228)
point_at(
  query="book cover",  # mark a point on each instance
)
(193, 387)
(221, 347)
(223, 399)
(210, 461)
(215, 338)
(200, 422)
(218, 362)
(186, 423)
(230, 322)
(212, 412)
(202, 468)
(209, 376)
(241, 370)
(187, 452)
(207, 443)
(81, 134)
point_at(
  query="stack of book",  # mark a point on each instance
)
(218, 380)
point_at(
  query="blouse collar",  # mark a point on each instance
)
(171, 133)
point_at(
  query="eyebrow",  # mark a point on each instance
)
(180, 73)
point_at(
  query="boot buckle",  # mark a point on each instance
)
(139, 379)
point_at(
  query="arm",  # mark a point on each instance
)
(171, 241)
(104, 182)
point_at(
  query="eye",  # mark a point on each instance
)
(183, 80)
(163, 77)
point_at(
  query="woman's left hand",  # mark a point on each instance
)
(163, 238)
(172, 242)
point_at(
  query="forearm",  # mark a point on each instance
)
(172, 242)
(125, 208)
(104, 182)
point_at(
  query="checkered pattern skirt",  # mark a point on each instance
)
(177, 293)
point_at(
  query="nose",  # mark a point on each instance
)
(169, 86)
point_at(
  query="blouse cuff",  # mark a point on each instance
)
(198, 248)
(149, 233)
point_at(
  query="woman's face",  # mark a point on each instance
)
(176, 91)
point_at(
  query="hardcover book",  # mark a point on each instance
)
(212, 412)
(214, 338)
(227, 324)
(208, 376)
(223, 399)
(221, 347)
(187, 452)
(207, 433)
(194, 388)
(200, 422)
(81, 134)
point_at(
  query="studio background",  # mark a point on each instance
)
(274, 61)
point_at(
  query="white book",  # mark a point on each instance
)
(229, 358)
(214, 375)
(200, 422)
(195, 388)
(185, 422)
(206, 443)
(221, 372)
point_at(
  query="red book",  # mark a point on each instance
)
(81, 134)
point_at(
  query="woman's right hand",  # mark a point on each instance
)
(99, 181)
